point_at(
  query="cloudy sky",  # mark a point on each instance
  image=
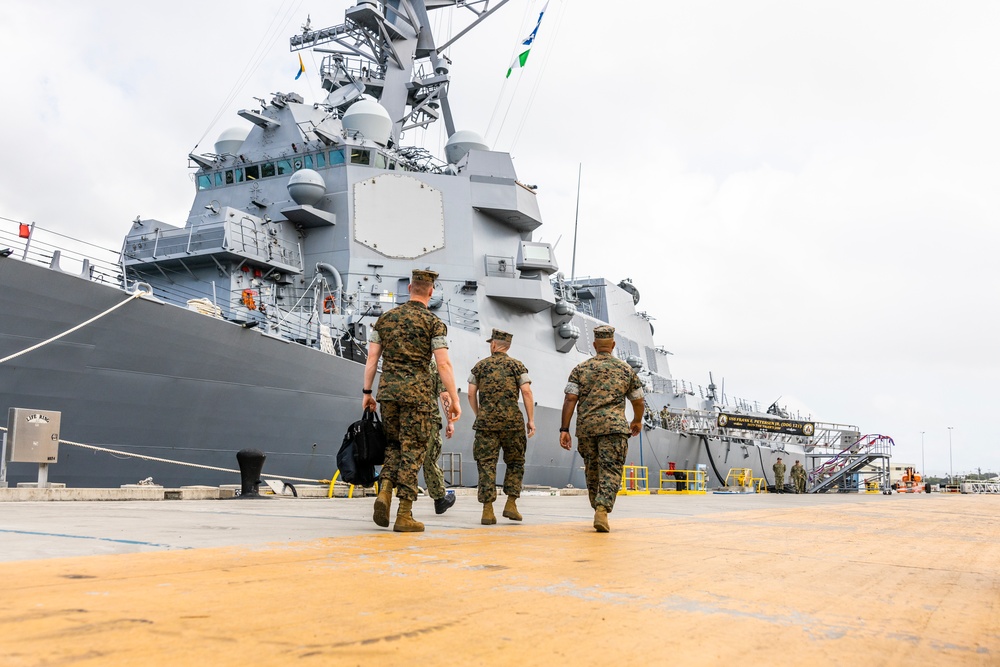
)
(805, 193)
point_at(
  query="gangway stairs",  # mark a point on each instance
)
(867, 457)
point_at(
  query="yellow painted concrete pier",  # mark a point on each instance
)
(680, 580)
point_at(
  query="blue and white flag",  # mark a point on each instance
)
(522, 57)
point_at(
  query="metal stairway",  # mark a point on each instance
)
(868, 456)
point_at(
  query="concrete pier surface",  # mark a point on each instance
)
(681, 580)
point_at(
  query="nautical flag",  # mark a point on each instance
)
(24, 231)
(302, 68)
(522, 57)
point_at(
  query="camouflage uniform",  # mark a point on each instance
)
(798, 475)
(779, 476)
(499, 424)
(408, 334)
(602, 384)
(432, 471)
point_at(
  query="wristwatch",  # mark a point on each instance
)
(366, 391)
(564, 430)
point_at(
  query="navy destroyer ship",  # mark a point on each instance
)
(245, 326)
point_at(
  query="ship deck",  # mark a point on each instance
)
(715, 579)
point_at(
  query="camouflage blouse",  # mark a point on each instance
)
(499, 379)
(409, 334)
(603, 383)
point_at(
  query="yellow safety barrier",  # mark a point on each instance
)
(760, 484)
(350, 490)
(873, 486)
(635, 481)
(689, 482)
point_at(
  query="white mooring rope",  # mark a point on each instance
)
(144, 457)
(135, 295)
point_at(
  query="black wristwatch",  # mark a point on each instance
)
(564, 430)
(366, 391)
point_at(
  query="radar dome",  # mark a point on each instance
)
(230, 140)
(370, 119)
(460, 143)
(306, 187)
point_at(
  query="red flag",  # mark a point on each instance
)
(24, 231)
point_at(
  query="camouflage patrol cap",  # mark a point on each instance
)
(604, 331)
(423, 276)
(500, 336)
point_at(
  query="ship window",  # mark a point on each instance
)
(267, 170)
(253, 173)
(360, 156)
(229, 177)
(239, 175)
(320, 160)
(284, 167)
(309, 162)
(204, 181)
(392, 165)
(336, 157)
(218, 179)
(379, 161)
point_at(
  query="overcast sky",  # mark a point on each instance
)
(805, 193)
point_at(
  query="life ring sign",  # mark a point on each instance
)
(329, 304)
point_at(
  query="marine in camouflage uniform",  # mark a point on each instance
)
(779, 476)
(798, 476)
(597, 389)
(432, 472)
(494, 385)
(405, 338)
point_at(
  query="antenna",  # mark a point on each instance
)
(576, 222)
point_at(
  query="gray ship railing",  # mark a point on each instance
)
(72, 256)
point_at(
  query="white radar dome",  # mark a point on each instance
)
(230, 140)
(370, 119)
(306, 187)
(460, 143)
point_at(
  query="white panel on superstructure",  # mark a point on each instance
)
(399, 216)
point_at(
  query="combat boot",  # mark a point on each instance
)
(383, 502)
(601, 520)
(405, 523)
(489, 518)
(441, 505)
(510, 509)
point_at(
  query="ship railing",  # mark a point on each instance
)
(464, 318)
(60, 252)
(500, 266)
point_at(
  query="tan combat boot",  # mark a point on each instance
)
(510, 509)
(405, 523)
(382, 504)
(489, 518)
(601, 520)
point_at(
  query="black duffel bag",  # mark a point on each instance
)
(363, 449)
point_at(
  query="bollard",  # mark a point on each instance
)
(251, 464)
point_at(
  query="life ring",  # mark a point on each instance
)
(329, 304)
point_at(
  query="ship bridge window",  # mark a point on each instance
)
(219, 179)
(320, 160)
(284, 167)
(253, 173)
(267, 170)
(204, 181)
(336, 157)
(380, 160)
(360, 156)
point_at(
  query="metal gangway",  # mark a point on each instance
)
(867, 457)
(981, 487)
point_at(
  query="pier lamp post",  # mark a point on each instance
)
(923, 469)
(951, 469)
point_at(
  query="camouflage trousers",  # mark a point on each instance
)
(486, 451)
(433, 476)
(800, 484)
(603, 458)
(779, 483)
(408, 430)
